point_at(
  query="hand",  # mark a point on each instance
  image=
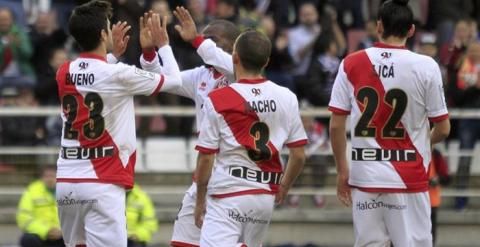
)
(146, 40)
(54, 234)
(133, 237)
(344, 192)
(281, 194)
(158, 30)
(120, 38)
(187, 28)
(199, 213)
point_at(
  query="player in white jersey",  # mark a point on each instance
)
(391, 94)
(246, 125)
(214, 47)
(97, 157)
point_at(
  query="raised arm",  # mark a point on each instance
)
(150, 60)
(206, 48)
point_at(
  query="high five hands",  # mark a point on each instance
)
(153, 31)
(187, 28)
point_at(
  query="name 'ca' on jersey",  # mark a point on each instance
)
(391, 95)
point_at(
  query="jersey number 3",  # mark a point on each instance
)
(395, 98)
(94, 126)
(261, 136)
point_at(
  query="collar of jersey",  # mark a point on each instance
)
(252, 81)
(383, 45)
(92, 56)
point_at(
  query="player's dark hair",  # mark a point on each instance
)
(87, 22)
(396, 17)
(253, 49)
(224, 29)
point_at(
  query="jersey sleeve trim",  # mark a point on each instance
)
(205, 150)
(299, 143)
(160, 84)
(244, 192)
(198, 41)
(338, 110)
(182, 244)
(439, 118)
(149, 54)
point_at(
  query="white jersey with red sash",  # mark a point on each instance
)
(246, 124)
(98, 138)
(391, 95)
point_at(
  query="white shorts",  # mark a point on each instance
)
(185, 232)
(237, 221)
(92, 214)
(399, 218)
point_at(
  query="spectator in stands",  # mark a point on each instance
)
(280, 59)
(141, 219)
(318, 81)
(443, 14)
(15, 48)
(34, 8)
(302, 38)
(428, 45)
(20, 131)
(451, 56)
(468, 93)
(372, 36)
(438, 176)
(227, 10)
(37, 214)
(46, 36)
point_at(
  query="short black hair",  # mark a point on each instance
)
(87, 22)
(253, 49)
(396, 17)
(224, 29)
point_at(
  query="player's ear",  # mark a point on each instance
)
(411, 31)
(104, 35)
(379, 28)
(235, 58)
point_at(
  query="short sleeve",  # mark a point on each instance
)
(435, 100)
(138, 81)
(209, 137)
(297, 136)
(340, 102)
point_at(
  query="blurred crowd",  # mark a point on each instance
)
(309, 37)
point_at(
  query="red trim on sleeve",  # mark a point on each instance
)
(198, 41)
(182, 244)
(149, 54)
(244, 192)
(205, 150)
(299, 143)
(438, 119)
(338, 111)
(159, 86)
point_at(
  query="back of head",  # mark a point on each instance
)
(396, 17)
(253, 49)
(223, 32)
(87, 22)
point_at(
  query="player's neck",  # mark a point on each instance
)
(394, 41)
(99, 51)
(243, 74)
